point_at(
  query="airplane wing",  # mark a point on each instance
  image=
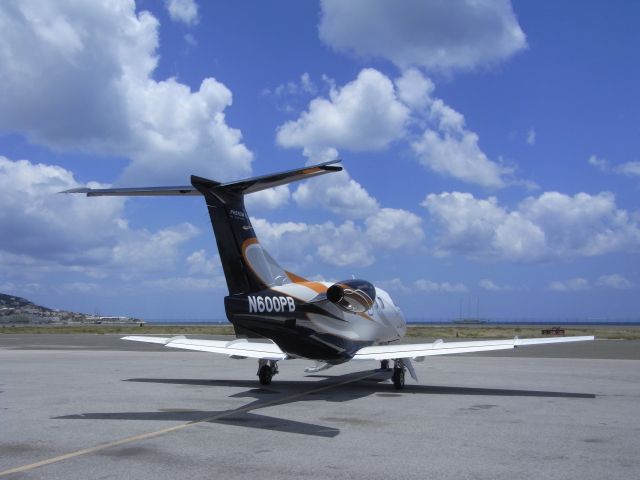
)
(418, 351)
(238, 348)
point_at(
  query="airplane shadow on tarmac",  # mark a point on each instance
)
(342, 388)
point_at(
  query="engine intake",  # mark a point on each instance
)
(355, 296)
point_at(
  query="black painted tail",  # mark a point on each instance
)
(247, 266)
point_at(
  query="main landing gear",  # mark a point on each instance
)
(266, 370)
(398, 371)
(398, 374)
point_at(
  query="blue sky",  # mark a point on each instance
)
(491, 150)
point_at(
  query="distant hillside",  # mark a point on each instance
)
(9, 301)
(20, 310)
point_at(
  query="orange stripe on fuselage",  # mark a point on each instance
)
(315, 286)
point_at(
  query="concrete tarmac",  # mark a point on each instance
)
(94, 407)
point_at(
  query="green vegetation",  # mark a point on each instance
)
(415, 331)
(524, 331)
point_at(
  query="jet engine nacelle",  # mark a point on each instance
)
(355, 296)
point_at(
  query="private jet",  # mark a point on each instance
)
(278, 315)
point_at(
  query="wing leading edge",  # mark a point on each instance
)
(270, 351)
(239, 348)
(420, 350)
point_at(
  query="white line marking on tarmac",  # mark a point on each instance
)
(157, 433)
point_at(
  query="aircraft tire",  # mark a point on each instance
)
(398, 378)
(265, 374)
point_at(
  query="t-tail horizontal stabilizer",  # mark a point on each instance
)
(246, 186)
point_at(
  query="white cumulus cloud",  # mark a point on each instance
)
(614, 280)
(44, 231)
(287, 95)
(630, 169)
(414, 89)
(338, 193)
(364, 115)
(491, 286)
(371, 112)
(423, 285)
(457, 153)
(185, 11)
(446, 145)
(572, 285)
(300, 243)
(268, 199)
(200, 263)
(304, 86)
(394, 285)
(150, 251)
(395, 228)
(345, 244)
(457, 34)
(185, 284)
(79, 76)
(38, 221)
(599, 163)
(368, 114)
(548, 227)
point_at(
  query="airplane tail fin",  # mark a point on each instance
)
(247, 266)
